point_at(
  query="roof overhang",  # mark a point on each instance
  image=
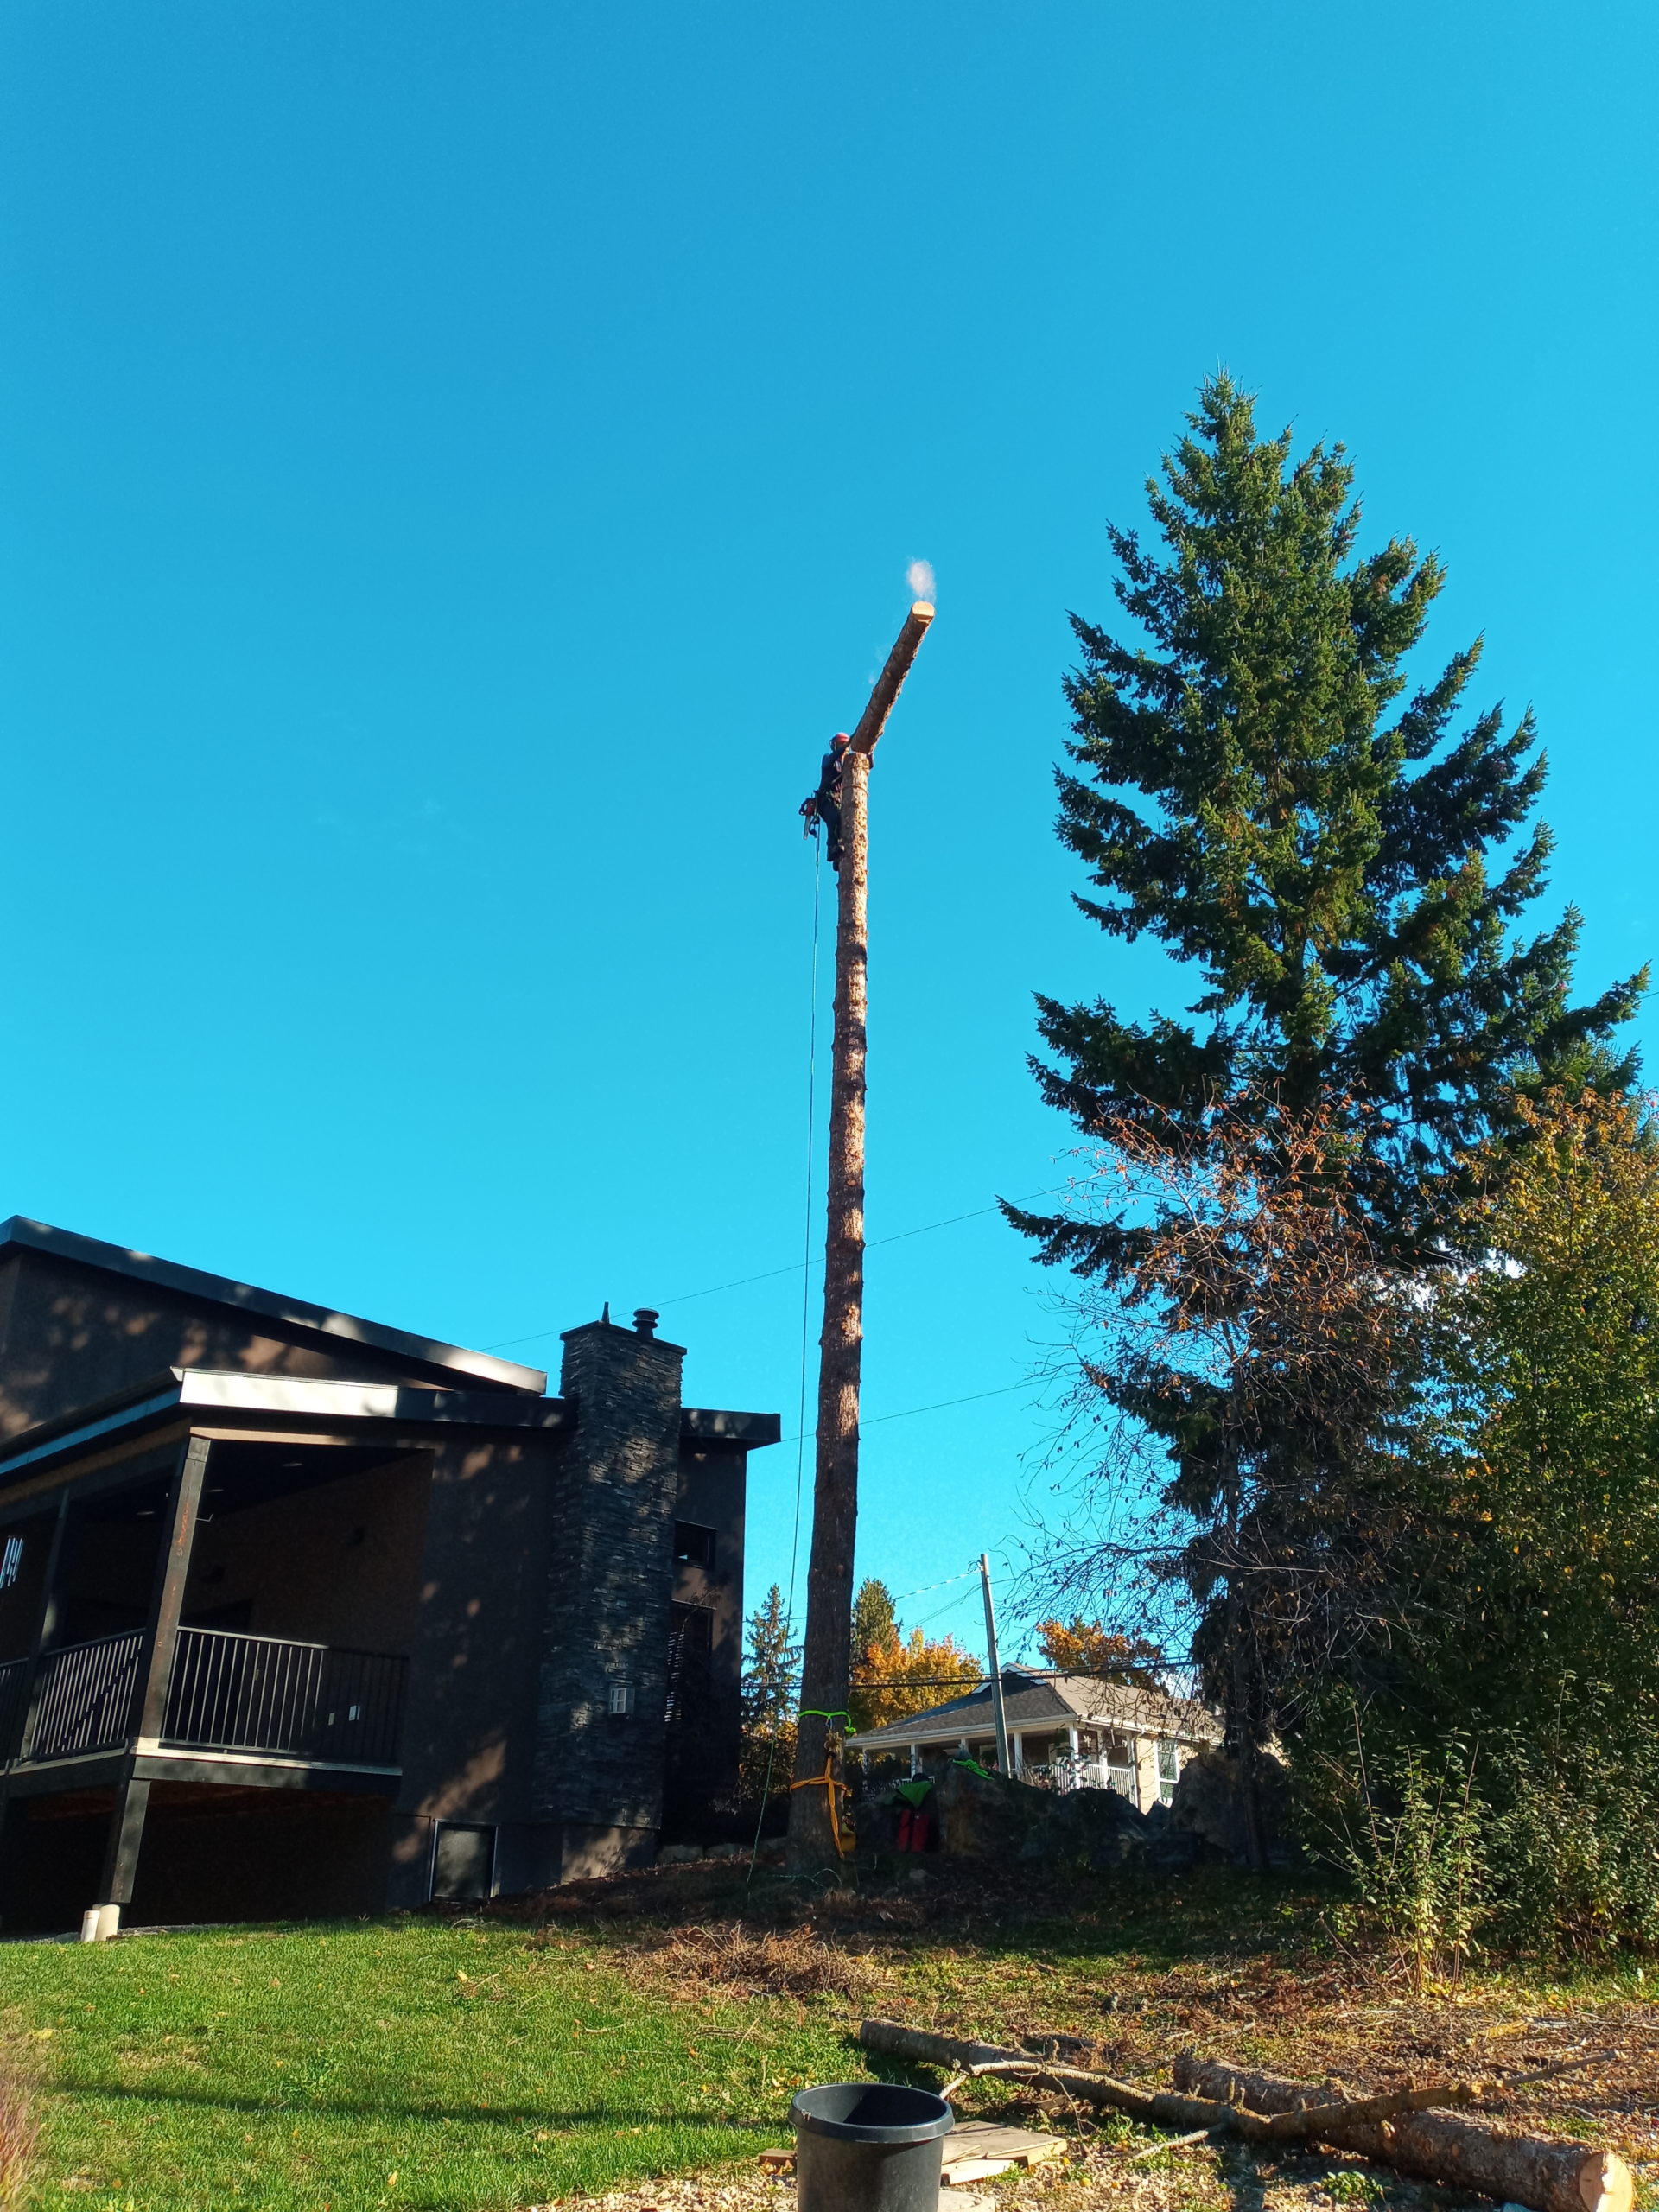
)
(703, 1425)
(206, 1392)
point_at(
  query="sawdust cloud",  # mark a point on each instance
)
(919, 576)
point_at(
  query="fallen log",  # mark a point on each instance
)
(1546, 2175)
(1397, 2128)
(1208, 2115)
(1162, 2107)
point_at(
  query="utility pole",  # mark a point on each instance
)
(815, 1833)
(999, 1705)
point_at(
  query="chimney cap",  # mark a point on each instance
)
(646, 1319)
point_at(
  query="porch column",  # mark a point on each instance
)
(132, 1795)
(45, 1620)
(915, 1759)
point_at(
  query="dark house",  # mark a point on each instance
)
(299, 1614)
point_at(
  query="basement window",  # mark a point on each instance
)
(694, 1544)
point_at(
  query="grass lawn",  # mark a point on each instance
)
(403, 2063)
(657, 2027)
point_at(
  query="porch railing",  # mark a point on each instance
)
(85, 1697)
(236, 1692)
(1066, 1774)
(230, 1692)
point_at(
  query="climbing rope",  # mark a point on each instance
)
(806, 1322)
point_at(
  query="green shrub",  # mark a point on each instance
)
(1407, 1830)
(1574, 1853)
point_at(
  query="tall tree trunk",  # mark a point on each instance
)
(826, 1664)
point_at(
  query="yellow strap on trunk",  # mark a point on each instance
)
(826, 1781)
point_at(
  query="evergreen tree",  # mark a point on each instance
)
(1244, 797)
(1245, 789)
(873, 1618)
(771, 1674)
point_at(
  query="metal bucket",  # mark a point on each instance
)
(868, 2146)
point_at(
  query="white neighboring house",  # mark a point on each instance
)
(1068, 1730)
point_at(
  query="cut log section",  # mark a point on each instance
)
(1397, 2128)
(1475, 2154)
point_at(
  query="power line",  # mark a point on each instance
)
(806, 1307)
(771, 1275)
(938, 1407)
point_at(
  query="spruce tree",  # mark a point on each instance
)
(873, 1618)
(1243, 792)
(771, 1692)
(1251, 786)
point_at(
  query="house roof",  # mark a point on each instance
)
(1034, 1701)
(297, 1312)
(207, 1389)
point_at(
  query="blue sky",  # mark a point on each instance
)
(458, 463)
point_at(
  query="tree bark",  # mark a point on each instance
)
(1475, 2154)
(826, 1659)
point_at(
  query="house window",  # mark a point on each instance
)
(1169, 1771)
(694, 1544)
(621, 1700)
(11, 1561)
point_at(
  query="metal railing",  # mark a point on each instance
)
(231, 1691)
(85, 1695)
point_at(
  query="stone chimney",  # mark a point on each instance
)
(603, 1685)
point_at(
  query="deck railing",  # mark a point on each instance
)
(230, 1692)
(85, 1697)
(236, 1692)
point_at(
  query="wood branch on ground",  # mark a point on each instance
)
(1549, 2176)
(1163, 2108)
(1400, 2128)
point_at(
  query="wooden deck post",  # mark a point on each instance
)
(156, 1675)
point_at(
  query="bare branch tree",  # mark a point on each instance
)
(1240, 1388)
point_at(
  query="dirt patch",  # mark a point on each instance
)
(725, 2190)
(756, 1962)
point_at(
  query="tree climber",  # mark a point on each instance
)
(824, 803)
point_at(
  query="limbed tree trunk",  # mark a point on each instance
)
(1470, 2154)
(815, 1834)
(826, 1661)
